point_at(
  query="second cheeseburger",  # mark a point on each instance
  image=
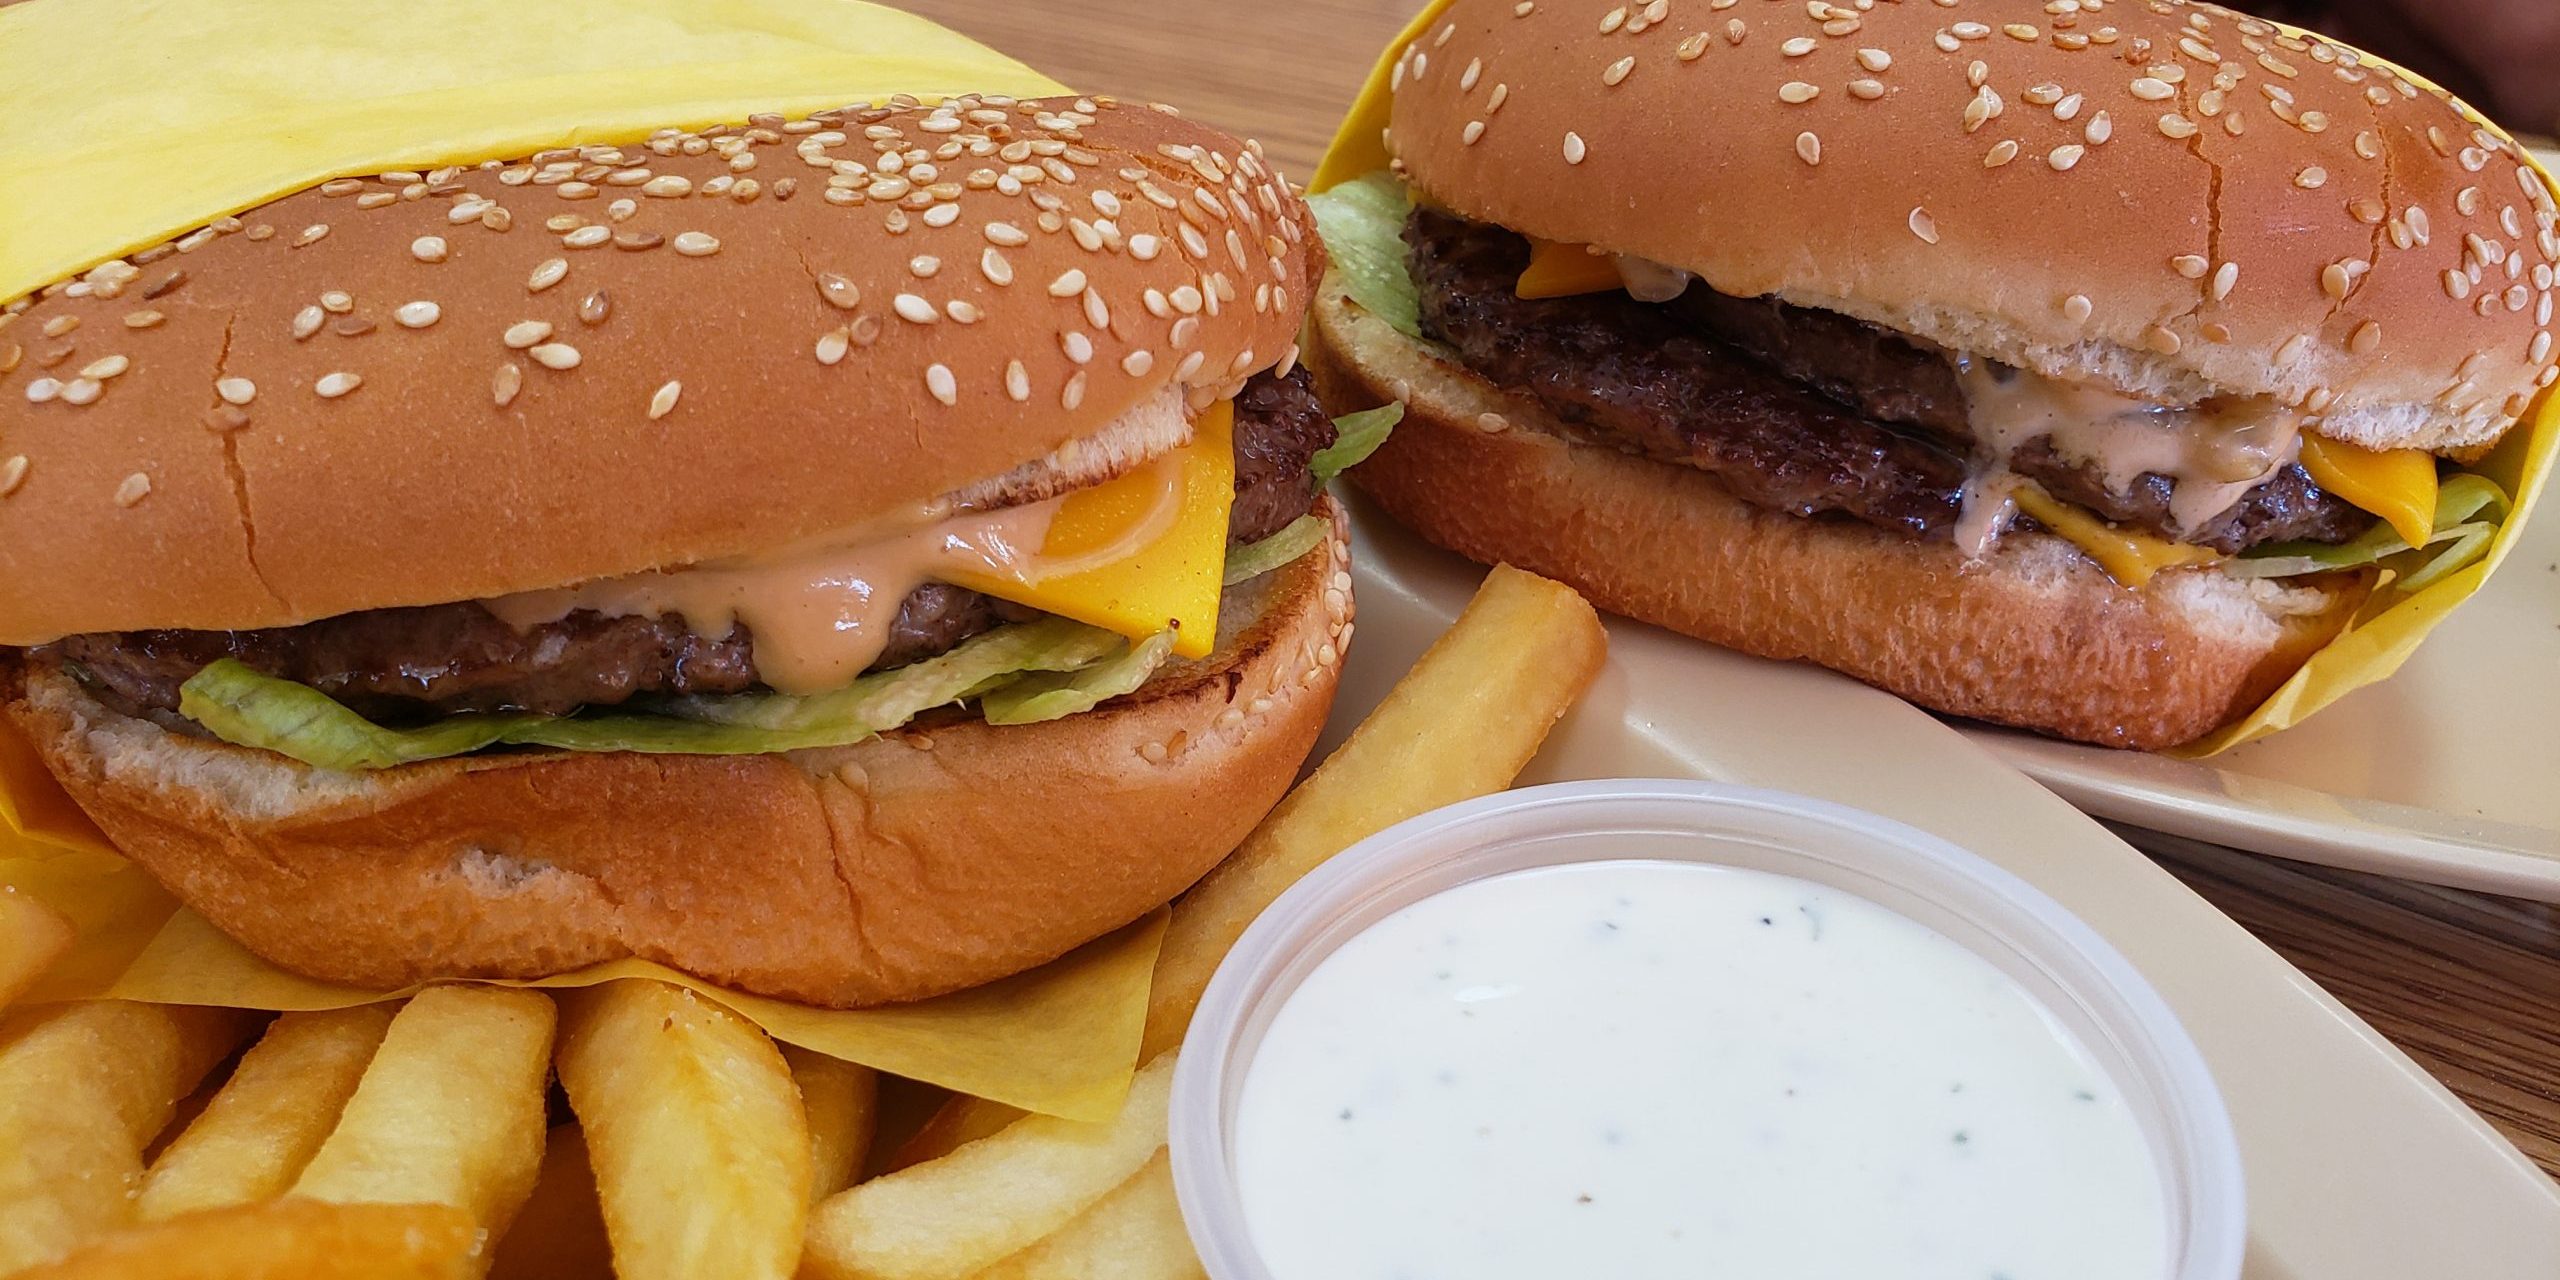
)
(849, 558)
(2069, 366)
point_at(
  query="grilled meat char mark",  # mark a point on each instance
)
(396, 664)
(1794, 409)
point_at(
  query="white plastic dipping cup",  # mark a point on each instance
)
(2091, 993)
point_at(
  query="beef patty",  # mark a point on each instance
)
(398, 664)
(1797, 410)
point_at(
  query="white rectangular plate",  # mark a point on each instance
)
(2360, 1164)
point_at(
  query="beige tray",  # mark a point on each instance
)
(2360, 1165)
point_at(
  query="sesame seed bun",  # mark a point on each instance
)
(2171, 199)
(419, 389)
(928, 860)
(2034, 634)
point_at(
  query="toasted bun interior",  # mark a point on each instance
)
(2033, 635)
(2173, 199)
(929, 860)
(424, 388)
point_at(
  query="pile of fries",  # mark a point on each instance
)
(418, 1140)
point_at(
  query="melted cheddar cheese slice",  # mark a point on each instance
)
(1173, 579)
(2130, 557)
(2398, 485)
(1567, 270)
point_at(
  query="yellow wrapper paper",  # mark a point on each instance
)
(2371, 649)
(125, 122)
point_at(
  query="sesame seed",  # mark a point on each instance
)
(2159, 338)
(428, 249)
(337, 302)
(924, 266)
(1809, 147)
(833, 346)
(2077, 308)
(506, 383)
(2225, 278)
(595, 307)
(1068, 285)
(1796, 48)
(1876, 60)
(2022, 31)
(135, 488)
(417, 315)
(2065, 156)
(2336, 280)
(945, 387)
(2069, 107)
(1007, 234)
(1574, 150)
(1073, 396)
(1984, 106)
(333, 385)
(1924, 226)
(2366, 337)
(622, 210)
(588, 237)
(2293, 348)
(2457, 285)
(236, 391)
(695, 244)
(2151, 89)
(1017, 382)
(13, 473)
(1618, 72)
(1866, 90)
(2192, 266)
(1795, 93)
(2002, 152)
(314, 233)
(42, 390)
(664, 402)
(1078, 347)
(527, 333)
(2312, 179)
(107, 367)
(1695, 47)
(558, 356)
(667, 187)
(2101, 127)
(82, 391)
(308, 321)
(914, 309)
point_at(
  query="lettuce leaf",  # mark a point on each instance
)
(1295, 539)
(2469, 511)
(1356, 436)
(1057, 695)
(249, 709)
(1362, 224)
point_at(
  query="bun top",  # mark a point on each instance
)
(422, 388)
(2173, 199)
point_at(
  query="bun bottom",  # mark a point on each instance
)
(2034, 635)
(925, 861)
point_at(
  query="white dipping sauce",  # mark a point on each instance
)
(1638, 1069)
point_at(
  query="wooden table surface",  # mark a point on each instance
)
(2468, 985)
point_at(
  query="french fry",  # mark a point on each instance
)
(32, 937)
(987, 1201)
(560, 1233)
(252, 1140)
(286, 1240)
(83, 1091)
(694, 1127)
(1463, 723)
(842, 1101)
(958, 1123)
(1134, 1233)
(450, 1111)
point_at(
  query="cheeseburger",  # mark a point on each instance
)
(848, 558)
(2079, 366)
